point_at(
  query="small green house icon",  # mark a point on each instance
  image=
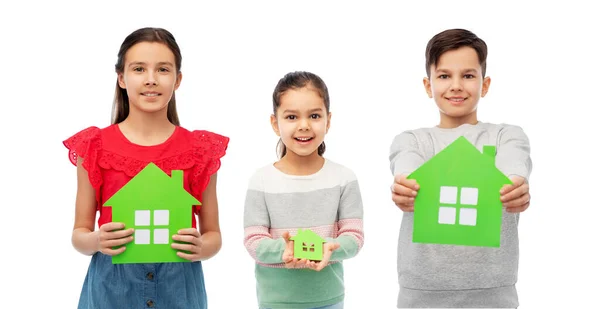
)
(459, 197)
(308, 245)
(156, 206)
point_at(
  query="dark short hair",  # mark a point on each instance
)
(450, 40)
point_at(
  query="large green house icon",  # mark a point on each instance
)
(156, 206)
(308, 245)
(459, 197)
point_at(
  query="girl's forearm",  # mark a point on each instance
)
(85, 241)
(211, 244)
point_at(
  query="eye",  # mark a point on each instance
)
(469, 76)
(163, 70)
(443, 76)
(315, 116)
(290, 117)
(138, 69)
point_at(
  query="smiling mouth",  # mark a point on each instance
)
(303, 139)
(152, 94)
(456, 101)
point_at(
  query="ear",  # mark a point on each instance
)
(275, 125)
(427, 85)
(486, 86)
(328, 122)
(121, 80)
(178, 81)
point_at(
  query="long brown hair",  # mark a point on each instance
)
(153, 35)
(297, 80)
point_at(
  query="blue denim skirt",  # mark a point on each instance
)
(160, 285)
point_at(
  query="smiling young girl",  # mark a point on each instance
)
(302, 190)
(145, 129)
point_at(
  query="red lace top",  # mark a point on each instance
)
(111, 160)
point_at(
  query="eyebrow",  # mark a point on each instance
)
(143, 63)
(448, 71)
(310, 111)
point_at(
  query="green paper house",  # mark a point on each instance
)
(308, 245)
(458, 202)
(156, 206)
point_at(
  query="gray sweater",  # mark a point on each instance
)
(433, 275)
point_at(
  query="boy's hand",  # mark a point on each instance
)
(404, 192)
(112, 235)
(193, 244)
(328, 249)
(515, 197)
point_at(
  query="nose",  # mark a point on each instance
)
(150, 79)
(303, 125)
(456, 84)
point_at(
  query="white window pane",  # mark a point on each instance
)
(142, 217)
(161, 236)
(448, 195)
(468, 216)
(161, 217)
(468, 196)
(447, 215)
(142, 237)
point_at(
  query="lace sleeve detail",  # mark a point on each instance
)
(209, 148)
(86, 144)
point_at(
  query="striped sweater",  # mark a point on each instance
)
(327, 202)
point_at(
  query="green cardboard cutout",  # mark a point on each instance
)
(156, 206)
(458, 202)
(308, 245)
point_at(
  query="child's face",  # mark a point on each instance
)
(456, 85)
(301, 121)
(150, 77)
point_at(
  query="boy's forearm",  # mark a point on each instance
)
(85, 241)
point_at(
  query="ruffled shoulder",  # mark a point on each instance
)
(209, 148)
(86, 144)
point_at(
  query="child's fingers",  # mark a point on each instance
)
(112, 252)
(403, 190)
(402, 200)
(187, 238)
(190, 231)
(518, 209)
(409, 183)
(286, 236)
(111, 226)
(514, 193)
(522, 200)
(187, 256)
(115, 235)
(116, 242)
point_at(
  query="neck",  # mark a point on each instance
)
(294, 164)
(448, 122)
(147, 128)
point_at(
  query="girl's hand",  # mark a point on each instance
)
(328, 249)
(112, 235)
(404, 192)
(515, 197)
(193, 244)
(288, 253)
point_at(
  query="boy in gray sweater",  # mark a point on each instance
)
(450, 276)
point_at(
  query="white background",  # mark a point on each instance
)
(58, 78)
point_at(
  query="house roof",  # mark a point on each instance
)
(462, 157)
(307, 234)
(150, 185)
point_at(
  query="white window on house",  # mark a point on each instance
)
(467, 214)
(143, 227)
